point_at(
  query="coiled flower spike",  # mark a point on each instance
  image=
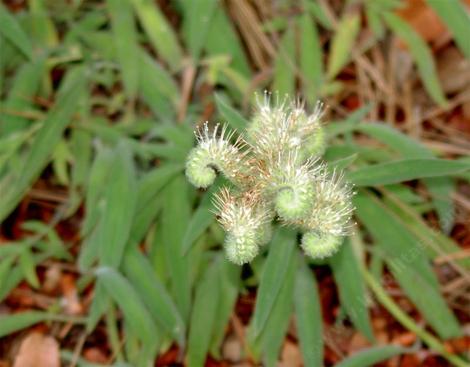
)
(246, 224)
(274, 170)
(215, 152)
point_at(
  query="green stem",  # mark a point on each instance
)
(409, 323)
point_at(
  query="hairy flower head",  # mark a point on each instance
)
(275, 171)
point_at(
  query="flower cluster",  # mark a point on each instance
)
(275, 171)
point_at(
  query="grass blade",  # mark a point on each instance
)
(229, 280)
(308, 317)
(125, 41)
(371, 356)
(409, 265)
(233, 118)
(159, 32)
(405, 170)
(421, 54)
(347, 274)
(135, 313)
(12, 31)
(202, 317)
(119, 202)
(197, 22)
(311, 57)
(271, 338)
(46, 140)
(153, 293)
(342, 44)
(174, 221)
(457, 18)
(281, 250)
(284, 64)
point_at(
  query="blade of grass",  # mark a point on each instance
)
(119, 202)
(308, 317)
(347, 274)
(421, 54)
(457, 18)
(174, 221)
(371, 356)
(311, 57)
(125, 41)
(153, 293)
(405, 170)
(270, 340)
(135, 313)
(342, 44)
(58, 118)
(439, 187)
(202, 321)
(223, 40)
(235, 120)
(159, 32)
(406, 259)
(284, 67)
(25, 86)
(197, 22)
(12, 31)
(228, 287)
(281, 250)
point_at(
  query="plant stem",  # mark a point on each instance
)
(409, 323)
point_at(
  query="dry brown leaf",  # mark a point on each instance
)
(38, 350)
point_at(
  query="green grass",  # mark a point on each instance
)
(93, 98)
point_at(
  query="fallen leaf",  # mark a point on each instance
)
(38, 350)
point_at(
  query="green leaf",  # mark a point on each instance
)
(159, 32)
(284, 64)
(281, 250)
(405, 170)
(155, 86)
(439, 187)
(28, 267)
(308, 317)
(153, 293)
(135, 313)
(311, 56)
(201, 219)
(273, 334)
(12, 31)
(371, 356)
(407, 260)
(233, 118)
(228, 283)
(15, 322)
(222, 39)
(149, 199)
(174, 221)
(457, 18)
(125, 41)
(197, 22)
(347, 273)
(46, 140)
(100, 304)
(342, 44)
(202, 317)
(421, 54)
(119, 201)
(25, 86)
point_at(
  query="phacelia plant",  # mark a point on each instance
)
(275, 172)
